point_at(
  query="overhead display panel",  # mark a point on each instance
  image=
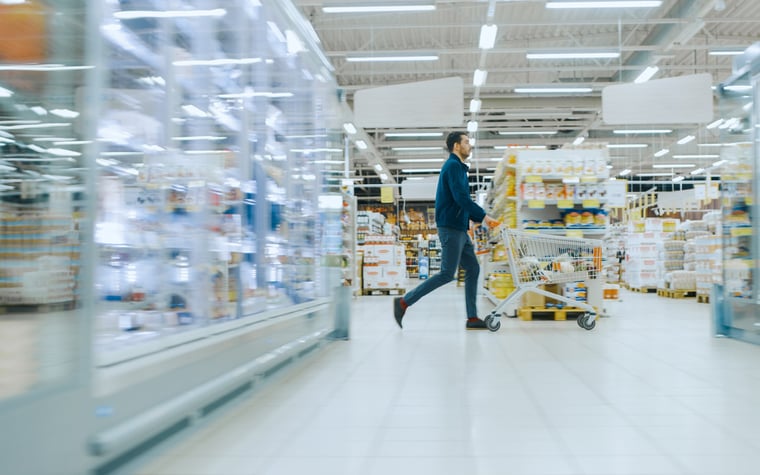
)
(684, 99)
(436, 103)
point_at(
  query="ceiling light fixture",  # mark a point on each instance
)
(349, 128)
(696, 156)
(686, 140)
(655, 174)
(487, 36)
(361, 144)
(415, 149)
(385, 7)
(413, 134)
(646, 75)
(530, 132)
(697, 171)
(553, 90)
(627, 145)
(642, 131)
(605, 4)
(574, 55)
(715, 124)
(475, 106)
(677, 179)
(392, 58)
(472, 126)
(674, 165)
(479, 77)
(625, 172)
(662, 152)
(579, 140)
(725, 52)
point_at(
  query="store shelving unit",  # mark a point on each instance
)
(562, 191)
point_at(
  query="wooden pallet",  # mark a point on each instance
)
(702, 298)
(676, 293)
(384, 291)
(549, 313)
(643, 290)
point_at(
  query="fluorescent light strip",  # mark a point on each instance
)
(674, 165)
(349, 128)
(421, 170)
(361, 145)
(677, 179)
(415, 149)
(414, 134)
(391, 58)
(646, 75)
(479, 77)
(487, 36)
(627, 145)
(654, 174)
(696, 156)
(726, 52)
(474, 107)
(530, 132)
(553, 90)
(686, 140)
(643, 131)
(625, 172)
(378, 8)
(577, 55)
(472, 126)
(662, 152)
(606, 4)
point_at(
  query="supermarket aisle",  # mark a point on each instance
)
(650, 391)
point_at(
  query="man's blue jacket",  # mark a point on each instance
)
(453, 206)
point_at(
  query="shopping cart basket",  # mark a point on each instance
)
(538, 259)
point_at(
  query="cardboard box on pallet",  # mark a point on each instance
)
(530, 299)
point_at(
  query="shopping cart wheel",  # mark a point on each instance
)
(492, 323)
(587, 321)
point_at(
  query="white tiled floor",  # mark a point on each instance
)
(648, 392)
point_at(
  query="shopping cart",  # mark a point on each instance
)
(538, 259)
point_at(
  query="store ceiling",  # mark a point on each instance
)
(677, 37)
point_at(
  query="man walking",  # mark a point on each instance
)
(454, 209)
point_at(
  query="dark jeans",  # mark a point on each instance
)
(456, 250)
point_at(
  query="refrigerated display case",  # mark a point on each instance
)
(736, 304)
(164, 247)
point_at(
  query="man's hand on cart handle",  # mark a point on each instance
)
(490, 222)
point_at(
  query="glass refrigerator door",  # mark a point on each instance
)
(736, 305)
(214, 132)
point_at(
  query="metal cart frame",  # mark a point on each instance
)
(538, 259)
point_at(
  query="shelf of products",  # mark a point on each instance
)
(562, 191)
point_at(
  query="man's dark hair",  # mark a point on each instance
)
(453, 139)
